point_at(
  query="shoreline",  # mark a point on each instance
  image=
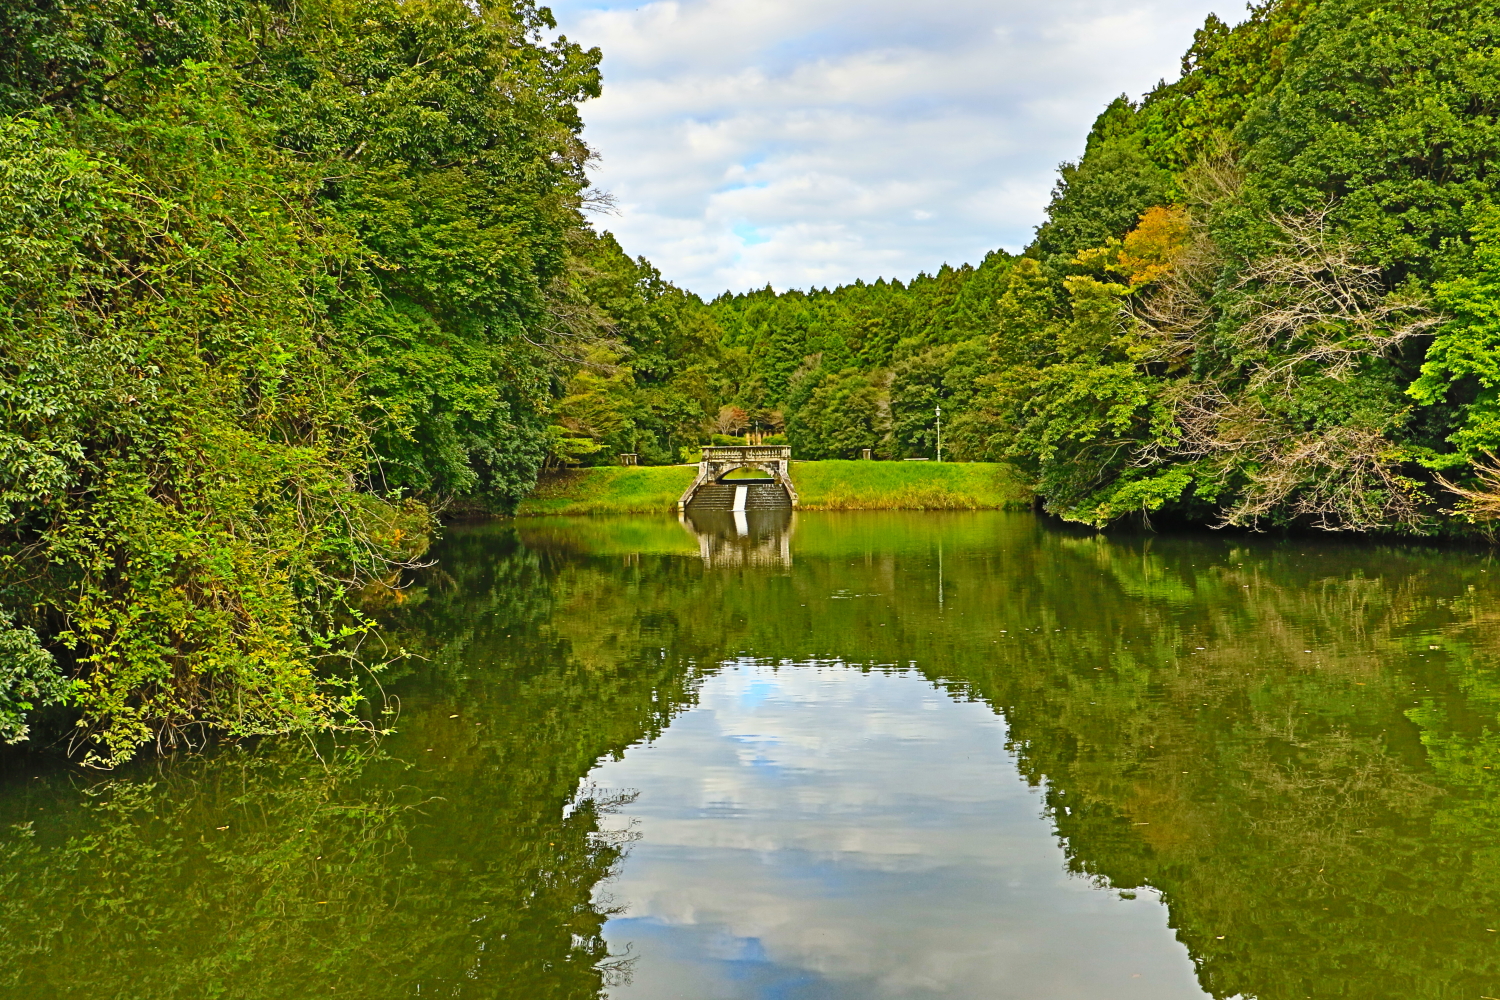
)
(825, 485)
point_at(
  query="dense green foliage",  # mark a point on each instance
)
(280, 869)
(280, 281)
(864, 365)
(277, 281)
(1266, 294)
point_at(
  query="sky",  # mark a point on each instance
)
(806, 143)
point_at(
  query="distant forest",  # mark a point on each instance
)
(281, 282)
(1266, 295)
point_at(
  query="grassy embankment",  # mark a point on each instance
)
(834, 485)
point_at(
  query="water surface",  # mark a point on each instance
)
(816, 830)
(863, 755)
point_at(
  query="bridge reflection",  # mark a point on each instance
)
(742, 537)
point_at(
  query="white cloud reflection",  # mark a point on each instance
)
(809, 142)
(819, 832)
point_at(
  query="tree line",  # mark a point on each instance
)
(281, 281)
(1266, 295)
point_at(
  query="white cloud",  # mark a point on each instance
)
(812, 142)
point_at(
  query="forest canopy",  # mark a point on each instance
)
(282, 282)
(1264, 296)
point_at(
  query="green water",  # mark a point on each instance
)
(879, 755)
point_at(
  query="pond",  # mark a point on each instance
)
(849, 755)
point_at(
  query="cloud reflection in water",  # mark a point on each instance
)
(816, 831)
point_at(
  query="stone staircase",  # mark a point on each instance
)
(768, 496)
(760, 495)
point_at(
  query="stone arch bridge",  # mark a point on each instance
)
(710, 490)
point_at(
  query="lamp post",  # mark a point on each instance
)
(939, 412)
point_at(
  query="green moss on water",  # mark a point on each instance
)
(606, 536)
(831, 485)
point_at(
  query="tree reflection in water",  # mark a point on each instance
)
(1295, 742)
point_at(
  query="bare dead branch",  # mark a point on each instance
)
(1482, 504)
(1315, 301)
(1310, 309)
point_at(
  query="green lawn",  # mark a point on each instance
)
(842, 485)
(835, 485)
(610, 489)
